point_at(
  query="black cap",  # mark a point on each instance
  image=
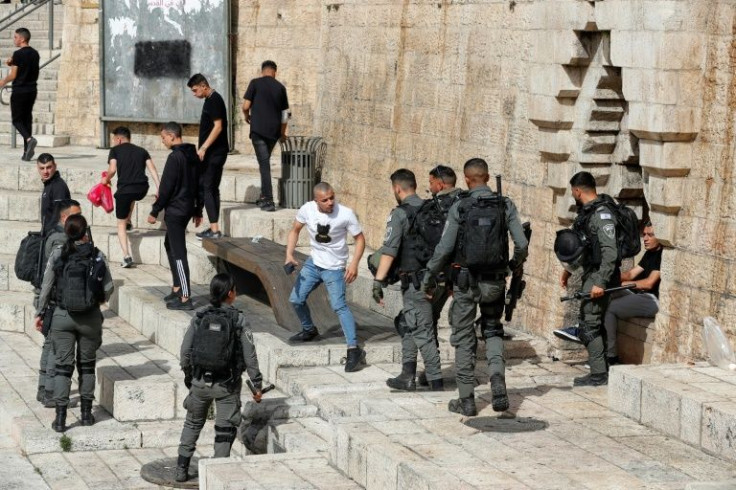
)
(568, 246)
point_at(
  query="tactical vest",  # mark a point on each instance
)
(79, 279)
(216, 347)
(483, 239)
(426, 223)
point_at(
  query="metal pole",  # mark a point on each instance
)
(51, 26)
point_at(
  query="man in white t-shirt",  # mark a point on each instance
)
(328, 224)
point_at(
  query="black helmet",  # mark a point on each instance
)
(568, 246)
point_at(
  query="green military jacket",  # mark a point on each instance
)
(446, 247)
(601, 226)
(397, 226)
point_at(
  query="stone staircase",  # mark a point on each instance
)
(321, 428)
(44, 110)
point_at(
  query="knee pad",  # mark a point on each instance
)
(400, 325)
(87, 367)
(65, 371)
(225, 434)
(588, 335)
(490, 328)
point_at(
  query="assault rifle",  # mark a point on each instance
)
(582, 295)
(518, 284)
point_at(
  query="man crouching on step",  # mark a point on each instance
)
(218, 346)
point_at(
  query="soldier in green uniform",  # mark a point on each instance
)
(77, 319)
(476, 237)
(417, 310)
(56, 238)
(217, 347)
(601, 270)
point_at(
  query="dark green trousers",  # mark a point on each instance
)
(591, 317)
(70, 330)
(227, 417)
(419, 336)
(489, 296)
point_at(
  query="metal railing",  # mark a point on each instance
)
(27, 9)
(10, 20)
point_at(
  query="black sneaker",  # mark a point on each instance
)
(180, 305)
(591, 380)
(304, 335)
(463, 406)
(128, 226)
(30, 149)
(268, 206)
(127, 262)
(261, 201)
(172, 296)
(208, 233)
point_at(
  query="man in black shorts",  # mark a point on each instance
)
(266, 109)
(24, 75)
(213, 148)
(179, 195)
(129, 162)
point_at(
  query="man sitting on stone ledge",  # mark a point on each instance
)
(642, 302)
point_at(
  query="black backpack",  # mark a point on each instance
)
(426, 225)
(29, 257)
(483, 243)
(628, 236)
(216, 345)
(80, 279)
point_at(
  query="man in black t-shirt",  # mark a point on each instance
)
(266, 109)
(129, 162)
(213, 149)
(644, 301)
(54, 191)
(24, 75)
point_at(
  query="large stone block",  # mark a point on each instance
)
(664, 122)
(551, 112)
(661, 405)
(624, 391)
(666, 159)
(142, 399)
(718, 429)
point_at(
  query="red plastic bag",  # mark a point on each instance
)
(101, 195)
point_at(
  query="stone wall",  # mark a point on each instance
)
(640, 93)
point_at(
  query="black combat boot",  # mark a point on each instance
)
(437, 385)
(500, 400)
(422, 379)
(355, 359)
(87, 417)
(59, 423)
(464, 406)
(182, 468)
(591, 380)
(404, 381)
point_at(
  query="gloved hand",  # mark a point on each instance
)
(429, 283)
(378, 290)
(188, 379)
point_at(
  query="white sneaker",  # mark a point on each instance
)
(127, 262)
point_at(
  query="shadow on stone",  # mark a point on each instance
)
(506, 424)
(162, 472)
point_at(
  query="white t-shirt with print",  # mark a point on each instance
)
(333, 254)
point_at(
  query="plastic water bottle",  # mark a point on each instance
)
(719, 348)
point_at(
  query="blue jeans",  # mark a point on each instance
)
(309, 278)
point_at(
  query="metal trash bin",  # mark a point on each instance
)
(302, 158)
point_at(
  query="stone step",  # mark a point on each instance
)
(289, 470)
(44, 141)
(693, 403)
